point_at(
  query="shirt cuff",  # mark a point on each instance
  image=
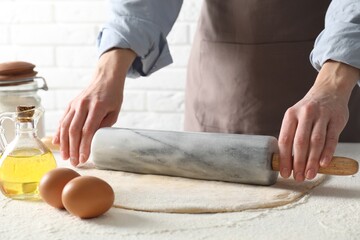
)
(141, 36)
(339, 42)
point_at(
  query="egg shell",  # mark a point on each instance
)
(52, 184)
(87, 196)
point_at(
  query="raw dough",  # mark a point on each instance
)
(154, 193)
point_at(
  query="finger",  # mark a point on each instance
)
(56, 137)
(331, 141)
(91, 124)
(75, 132)
(64, 135)
(286, 136)
(317, 142)
(85, 148)
(301, 147)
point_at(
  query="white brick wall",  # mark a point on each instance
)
(59, 37)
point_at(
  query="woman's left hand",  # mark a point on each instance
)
(311, 128)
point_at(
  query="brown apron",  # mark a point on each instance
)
(250, 63)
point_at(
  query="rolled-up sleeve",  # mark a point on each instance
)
(340, 40)
(142, 26)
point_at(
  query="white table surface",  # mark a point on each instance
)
(330, 211)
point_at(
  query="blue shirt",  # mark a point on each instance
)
(142, 25)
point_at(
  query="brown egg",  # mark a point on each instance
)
(52, 184)
(87, 197)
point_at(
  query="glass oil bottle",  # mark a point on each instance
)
(26, 159)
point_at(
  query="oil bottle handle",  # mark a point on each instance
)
(39, 111)
(3, 117)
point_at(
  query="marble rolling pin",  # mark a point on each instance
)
(236, 158)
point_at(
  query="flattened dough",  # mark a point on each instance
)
(154, 193)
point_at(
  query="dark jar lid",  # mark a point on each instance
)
(15, 73)
(20, 77)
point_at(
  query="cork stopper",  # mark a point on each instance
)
(25, 113)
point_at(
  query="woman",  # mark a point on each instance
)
(248, 67)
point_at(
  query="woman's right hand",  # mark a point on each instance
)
(95, 107)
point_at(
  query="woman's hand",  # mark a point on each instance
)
(311, 128)
(95, 107)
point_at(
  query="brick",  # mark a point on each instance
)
(64, 97)
(48, 100)
(133, 101)
(98, 27)
(52, 119)
(40, 56)
(167, 78)
(150, 120)
(193, 29)
(80, 12)
(190, 11)
(77, 56)
(50, 34)
(7, 11)
(4, 34)
(66, 78)
(180, 55)
(166, 101)
(8, 53)
(179, 34)
(32, 12)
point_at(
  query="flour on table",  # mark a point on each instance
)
(153, 193)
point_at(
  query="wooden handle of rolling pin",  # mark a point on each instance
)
(338, 166)
(48, 142)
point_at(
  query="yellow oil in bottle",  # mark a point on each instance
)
(20, 172)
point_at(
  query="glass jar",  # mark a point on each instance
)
(21, 92)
